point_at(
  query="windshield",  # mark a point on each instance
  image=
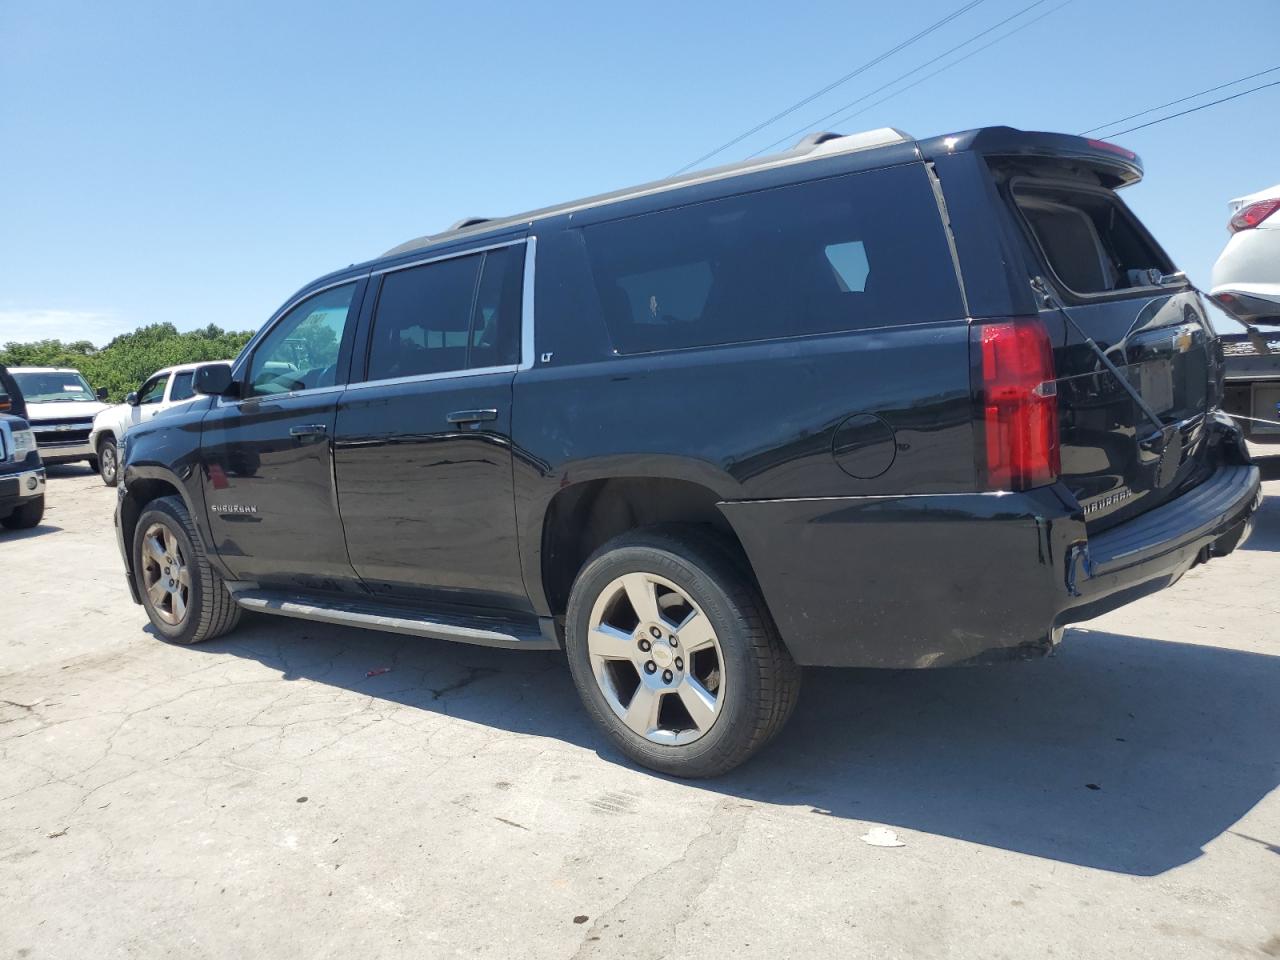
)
(52, 387)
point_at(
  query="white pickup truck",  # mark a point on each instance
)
(60, 408)
(163, 390)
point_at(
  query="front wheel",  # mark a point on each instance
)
(674, 654)
(108, 461)
(26, 516)
(183, 595)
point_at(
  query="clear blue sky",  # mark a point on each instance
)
(197, 163)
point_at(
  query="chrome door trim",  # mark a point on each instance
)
(427, 377)
(526, 305)
(451, 255)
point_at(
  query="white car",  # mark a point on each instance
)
(1246, 278)
(1246, 283)
(60, 408)
(161, 391)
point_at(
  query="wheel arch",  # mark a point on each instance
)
(583, 516)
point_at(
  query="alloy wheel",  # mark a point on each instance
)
(107, 462)
(165, 575)
(656, 658)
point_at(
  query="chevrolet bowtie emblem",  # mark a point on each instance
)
(1184, 339)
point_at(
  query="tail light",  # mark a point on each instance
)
(1017, 396)
(1246, 218)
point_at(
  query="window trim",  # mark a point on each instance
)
(526, 317)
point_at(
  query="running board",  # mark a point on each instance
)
(526, 633)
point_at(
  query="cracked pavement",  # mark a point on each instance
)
(263, 795)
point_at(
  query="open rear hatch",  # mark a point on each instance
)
(1105, 279)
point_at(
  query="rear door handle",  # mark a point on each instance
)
(472, 416)
(308, 430)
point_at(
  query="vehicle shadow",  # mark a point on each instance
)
(1121, 753)
(9, 536)
(69, 470)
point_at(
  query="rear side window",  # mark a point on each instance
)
(1089, 239)
(449, 315)
(181, 389)
(847, 253)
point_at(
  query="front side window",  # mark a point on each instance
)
(52, 387)
(456, 314)
(846, 253)
(182, 389)
(301, 351)
(153, 390)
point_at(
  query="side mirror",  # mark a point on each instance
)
(132, 398)
(215, 380)
(102, 394)
(5, 403)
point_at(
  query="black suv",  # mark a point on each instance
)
(874, 402)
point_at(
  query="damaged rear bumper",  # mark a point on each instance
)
(948, 579)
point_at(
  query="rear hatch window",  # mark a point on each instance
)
(1106, 271)
(1092, 243)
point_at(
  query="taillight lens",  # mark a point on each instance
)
(1247, 218)
(1018, 400)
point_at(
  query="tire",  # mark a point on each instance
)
(108, 461)
(93, 464)
(699, 581)
(198, 609)
(26, 516)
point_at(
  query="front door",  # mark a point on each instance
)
(423, 445)
(268, 456)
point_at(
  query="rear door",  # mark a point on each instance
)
(423, 445)
(1109, 277)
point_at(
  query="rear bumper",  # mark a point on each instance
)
(950, 579)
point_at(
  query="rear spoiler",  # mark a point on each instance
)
(1116, 166)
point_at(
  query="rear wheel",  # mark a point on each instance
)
(674, 654)
(108, 461)
(183, 595)
(26, 516)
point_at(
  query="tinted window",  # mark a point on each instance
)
(301, 351)
(495, 336)
(851, 252)
(182, 386)
(449, 315)
(153, 390)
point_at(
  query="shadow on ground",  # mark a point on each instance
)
(9, 536)
(1121, 753)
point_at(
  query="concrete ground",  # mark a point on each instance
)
(265, 796)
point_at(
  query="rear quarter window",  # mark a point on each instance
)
(846, 253)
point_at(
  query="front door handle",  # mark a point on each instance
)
(472, 416)
(307, 430)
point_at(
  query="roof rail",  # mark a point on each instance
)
(468, 222)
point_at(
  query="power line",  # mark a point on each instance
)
(1173, 103)
(928, 63)
(831, 86)
(1203, 106)
(953, 63)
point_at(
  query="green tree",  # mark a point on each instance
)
(130, 358)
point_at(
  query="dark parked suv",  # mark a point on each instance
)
(874, 402)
